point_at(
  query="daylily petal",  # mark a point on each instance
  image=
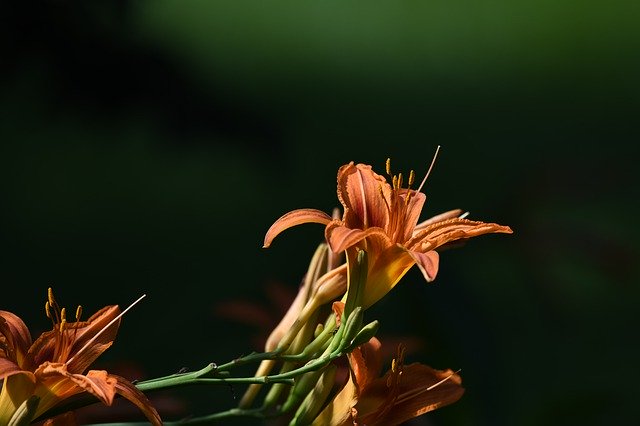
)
(387, 269)
(96, 382)
(9, 368)
(439, 233)
(293, 218)
(427, 263)
(16, 389)
(127, 390)
(16, 333)
(362, 192)
(341, 237)
(78, 334)
(366, 363)
(437, 218)
(412, 214)
(413, 397)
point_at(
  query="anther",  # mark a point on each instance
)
(62, 324)
(63, 315)
(78, 313)
(388, 166)
(412, 176)
(52, 301)
(47, 309)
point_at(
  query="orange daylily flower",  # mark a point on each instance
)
(53, 367)
(402, 393)
(382, 219)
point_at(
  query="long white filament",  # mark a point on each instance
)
(86, 345)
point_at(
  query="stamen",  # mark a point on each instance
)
(394, 182)
(386, 203)
(47, 310)
(430, 167)
(388, 166)
(62, 324)
(443, 380)
(86, 345)
(399, 180)
(78, 313)
(412, 176)
(52, 301)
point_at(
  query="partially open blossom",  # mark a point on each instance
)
(52, 368)
(382, 219)
(402, 393)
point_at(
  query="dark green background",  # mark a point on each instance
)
(147, 146)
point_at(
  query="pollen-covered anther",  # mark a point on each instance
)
(78, 313)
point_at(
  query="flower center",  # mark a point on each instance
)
(63, 338)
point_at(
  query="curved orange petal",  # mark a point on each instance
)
(437, 218)
(63, 384)
(439, 233)
(427, 263)
(421, 389)
(9, 368)
(341, 237)
(362, 192)
(413, 211)
(16, 333)
(293, 218)
(77, 335)
(127, 390)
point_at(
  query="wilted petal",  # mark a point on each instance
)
(127, 390)
(362, 192)
(293, 218)
(427, 263)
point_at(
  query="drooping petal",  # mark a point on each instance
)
(427, 263)
(127, 390)
(341, 237)
(17, 337)
(439, 233)
(62, 384)
(293, 218)
(364, 195)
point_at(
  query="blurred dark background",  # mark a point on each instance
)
(147, 147)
